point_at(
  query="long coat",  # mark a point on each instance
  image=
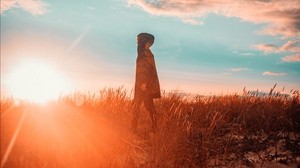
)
(146, 74)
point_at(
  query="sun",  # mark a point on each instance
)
(37, 82)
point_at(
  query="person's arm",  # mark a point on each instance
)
(143, 72)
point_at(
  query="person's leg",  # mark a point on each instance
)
(149, 105)
(135, 114)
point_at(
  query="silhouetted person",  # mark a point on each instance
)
(146, 80)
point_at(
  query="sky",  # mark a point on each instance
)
(201, 46)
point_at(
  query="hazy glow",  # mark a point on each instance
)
(36, 81)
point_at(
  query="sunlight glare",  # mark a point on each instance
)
(36, 82)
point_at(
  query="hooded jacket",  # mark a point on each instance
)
(146, 74)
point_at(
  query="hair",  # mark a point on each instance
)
(143, 39)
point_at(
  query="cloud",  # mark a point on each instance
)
(238, 69)
(7, 4)
(291, 58)
(192, 21)
(243, 53)
(246, 54)
(281, 17)
(267, 48)
(232, 71)
(289, 46)
(35, 7)
(268, 73)
(292, 46)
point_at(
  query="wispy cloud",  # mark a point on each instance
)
(238, 69)
(6, 5)
(292, 46)
(289, 46)
(232, 71)
(243, 53)
(246, 54)
(280, 16)
(268, 73)
(291, 58)
(192, 21)
(35, 7)
(267, 48)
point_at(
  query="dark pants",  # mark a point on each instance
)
(149, 106)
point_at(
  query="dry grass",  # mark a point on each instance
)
(92, 130)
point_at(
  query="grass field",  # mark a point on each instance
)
(92, 130)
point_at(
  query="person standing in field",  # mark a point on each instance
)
(146, 80)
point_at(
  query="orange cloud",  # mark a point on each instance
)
(280, 16)
(35, 7)
(268, 73)
(267, 48)
(291, 58)
(290, 46)
(7, 4)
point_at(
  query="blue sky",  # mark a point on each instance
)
(200, 47)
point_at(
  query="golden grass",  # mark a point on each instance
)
(92, 130)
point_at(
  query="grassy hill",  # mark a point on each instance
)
(92, 130)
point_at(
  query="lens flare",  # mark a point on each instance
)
(36, 82)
